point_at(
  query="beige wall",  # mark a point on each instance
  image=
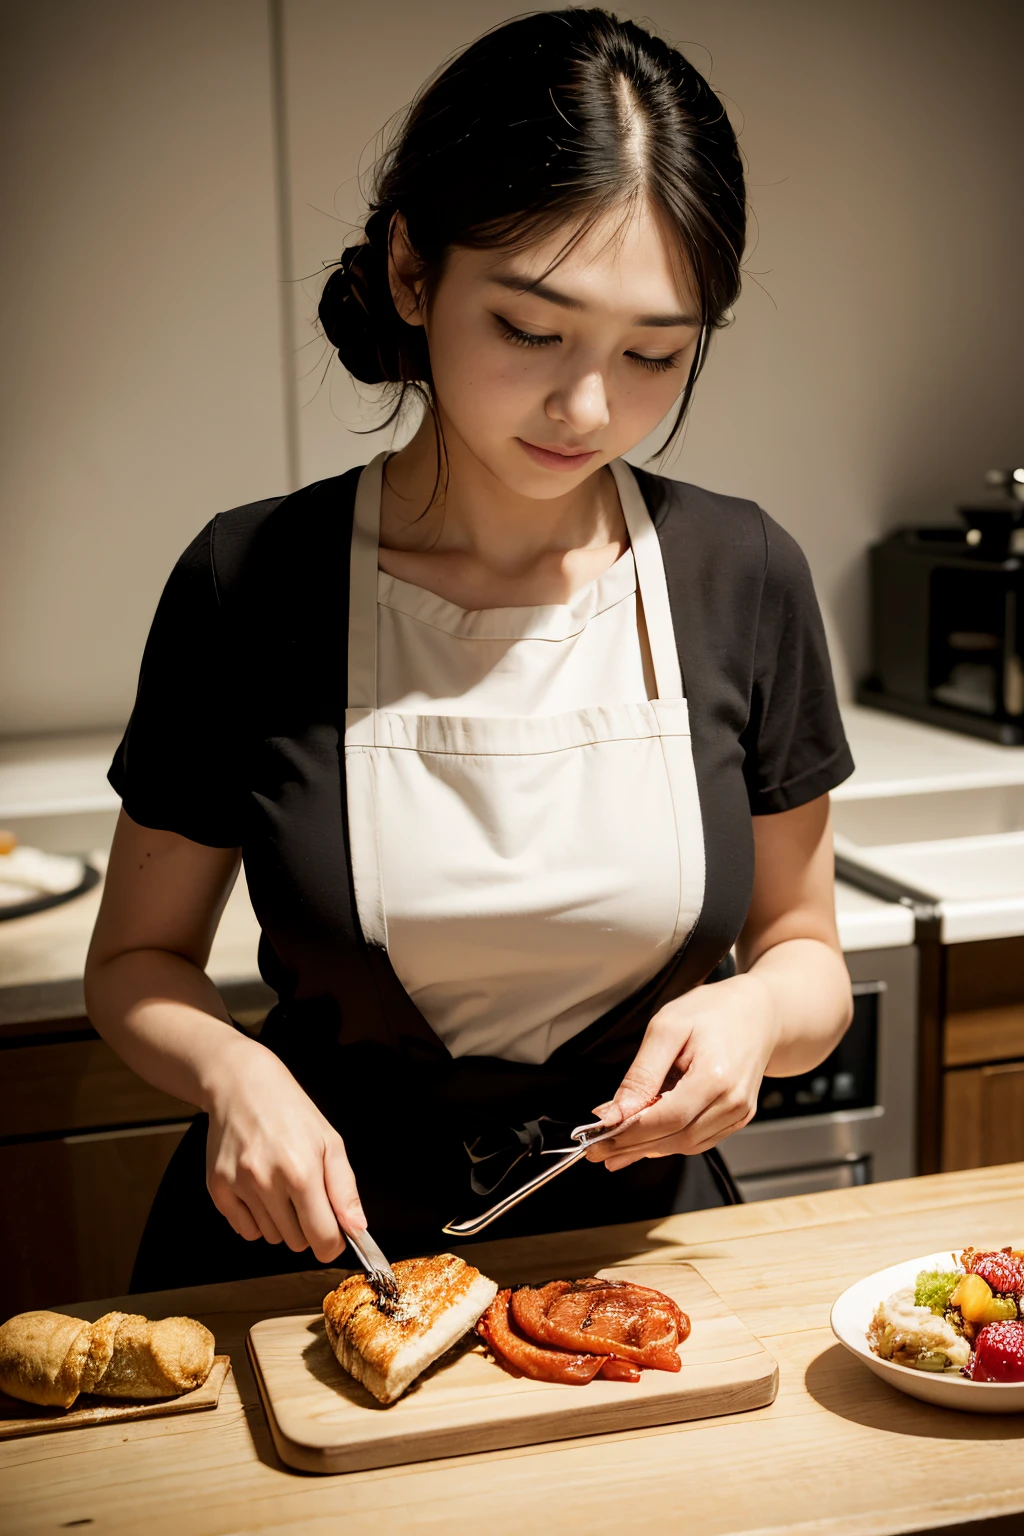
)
(871, 375)
(142, 371)
(873, 372)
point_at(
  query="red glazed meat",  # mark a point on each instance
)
(619, 1370)
(527, 1358)
(573, 1330)
(604, 1317)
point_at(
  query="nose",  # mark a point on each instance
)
(581, 403)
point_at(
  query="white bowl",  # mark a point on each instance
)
(854, 1310)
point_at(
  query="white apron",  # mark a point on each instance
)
(531, 833)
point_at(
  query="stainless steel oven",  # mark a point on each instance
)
(851, 1120)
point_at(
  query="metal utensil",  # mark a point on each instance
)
(585, 1136)
(378, 1271)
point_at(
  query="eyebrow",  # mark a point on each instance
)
(565, 301)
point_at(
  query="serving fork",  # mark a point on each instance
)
(584, 1137)
(378, 1271)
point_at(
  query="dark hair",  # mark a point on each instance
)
(544, 123)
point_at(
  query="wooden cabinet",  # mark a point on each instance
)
(73, 1209)
(77, 1084)
(983, 1116)
(83, 1145)
(981, 990)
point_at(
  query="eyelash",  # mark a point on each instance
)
(528, 339)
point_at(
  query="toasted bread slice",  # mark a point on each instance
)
(387, 1347)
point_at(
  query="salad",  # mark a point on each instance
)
(968, 1318)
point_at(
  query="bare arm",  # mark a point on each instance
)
(781, 1015)
(790, 943)
(146, 988)
(275, 1166)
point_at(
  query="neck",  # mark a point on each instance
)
(475, 514)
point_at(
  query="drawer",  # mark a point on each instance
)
(76, 1085)
(988, 973)
(986, 1034)
(72, 1211)
(983, 1116)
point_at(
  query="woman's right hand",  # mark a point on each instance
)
(275, 1167)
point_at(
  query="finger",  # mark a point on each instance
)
(340, 1183)
(646, 1076)
(237, 1214)
(674, 1112)
(683, 1143)
(676, 1138)
(697, 1102)
(268, 1227)
(666, 1147)
(709, 1126)
(716, 1141)
(318, 1221)
(666, 1117)
(282, 1212)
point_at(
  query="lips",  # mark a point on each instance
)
(559, 458)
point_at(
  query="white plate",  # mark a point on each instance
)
(854, 1310)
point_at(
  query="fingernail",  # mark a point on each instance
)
(610, 1113)
(358, 1218)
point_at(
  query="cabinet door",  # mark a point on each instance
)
(983, 1118)
(66, 1086)
(74, 1209)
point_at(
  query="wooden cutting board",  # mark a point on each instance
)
(322, 1420)
(17, 1418)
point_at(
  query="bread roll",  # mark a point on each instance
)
(48, 1359)
(43, 1357)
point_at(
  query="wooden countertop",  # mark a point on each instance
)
(838, 1454)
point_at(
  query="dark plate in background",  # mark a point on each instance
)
(90, 878)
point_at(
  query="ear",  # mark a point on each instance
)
(404, 273)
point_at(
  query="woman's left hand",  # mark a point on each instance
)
(705, 1053)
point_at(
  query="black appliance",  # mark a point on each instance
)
(848, 1079)
(947, 619)
(851, 1120)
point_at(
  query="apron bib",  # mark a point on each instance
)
(528, 814)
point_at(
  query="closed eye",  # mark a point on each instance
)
(520, 338)
(523, 338)
(657, 364)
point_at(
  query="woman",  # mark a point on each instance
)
(437, 707)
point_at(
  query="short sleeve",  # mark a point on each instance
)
(795, 745)
(177, 768)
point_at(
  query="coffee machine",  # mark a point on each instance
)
(947, 619)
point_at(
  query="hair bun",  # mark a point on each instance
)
(358, 314)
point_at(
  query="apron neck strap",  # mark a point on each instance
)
(651, 583)
(362, 597)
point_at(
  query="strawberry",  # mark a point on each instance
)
(998, 1353)
(1000, 1271)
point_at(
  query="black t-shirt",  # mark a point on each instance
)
(237, 734)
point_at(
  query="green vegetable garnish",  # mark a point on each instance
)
(934, 1287)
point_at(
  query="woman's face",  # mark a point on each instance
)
(544, 387)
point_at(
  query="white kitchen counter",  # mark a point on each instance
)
(940, 813)
(54, 793)
(901, 757)
(864, 922)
